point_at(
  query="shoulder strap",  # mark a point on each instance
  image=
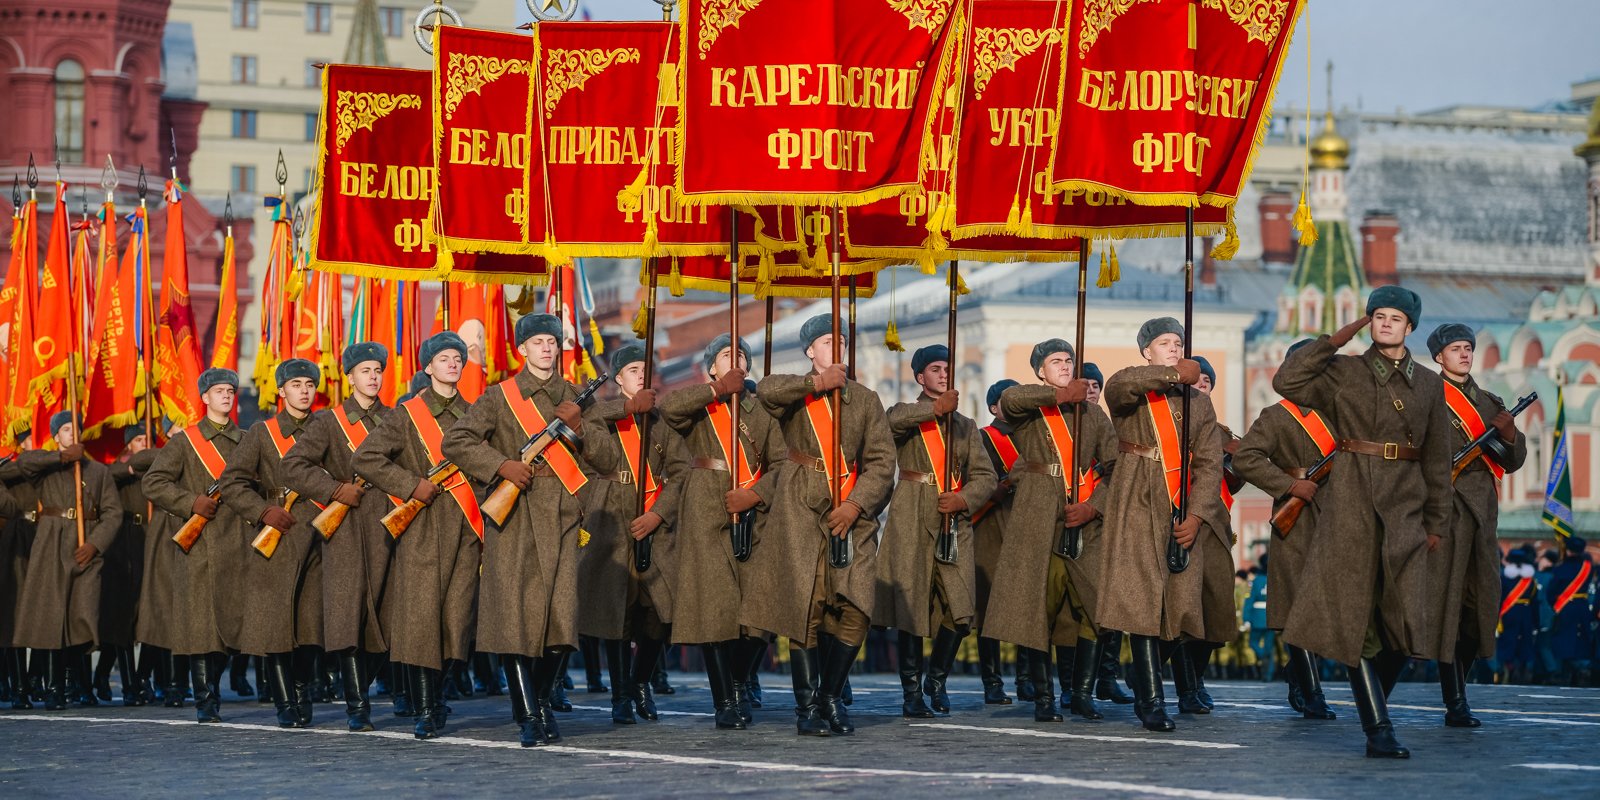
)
(206, 451)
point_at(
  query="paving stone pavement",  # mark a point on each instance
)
(1536, 742)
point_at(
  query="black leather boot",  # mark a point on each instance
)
(80, 669)
(1367, 687)
(1044, 693)
(1025, 689)
(460, 675)
(1389, 665)
(805, 670)
(238, 681)
(547, 671)
(835, 658)
(357, 707)
(1292, 675)
(1304, 675)
(205, 672)
(1183, 679)
(1453, 687)
(127, 672)
(941, 659)
(177, 669)
(719, 673)
(425, 700)
(1085, 670)
(1108, 685)
(524, 700)
(558, 696)
(145, 666)
(742, 663)
(646, 654)
(621, 682)
(757, 651)
(20, 701)
(1149, 702)
(281, 688)
(304, 671)
(262, 695)
(102, 674)
(911, 668)
(55, 679)
(400, 689)
(590, 647)
(486, 670)
(658, 677)
(1199, 662)
(994, 684)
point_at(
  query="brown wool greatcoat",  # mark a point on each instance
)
(1471, 587)
(795, 537)
(906, 565)
(59, 602)
(529, 585)
(191, 602)
(1275, 444)
(430, 591)
(1139, 596)
(282, 594)
(606, 576)
(710, 583)
(16, 534)
(1371, 554)
(356, 560)
(1017, 602)
(989, 534)
(123, 572)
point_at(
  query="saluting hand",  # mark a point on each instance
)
(645, 524)
(1506, 425)
(842, 518)
(1342, 337)
(946, 403)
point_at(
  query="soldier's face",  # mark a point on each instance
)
(1057, 369)
(1456, 358)
(297, 394)
(935, 378)
(631, 378)
(446, 367)
(1165, 350)
(719, 364)
(219, 399)
(539, 351)
(1205, 384)
(137, 444)
(821, 351)
(67, 436)
(367, 379)
(1389, 327)
(1094, 391)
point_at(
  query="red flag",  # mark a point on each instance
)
(115, 383)
(177, 351)
(54, 336)
(275, 301)
(225, 347)
(19, 297)
(468, 317)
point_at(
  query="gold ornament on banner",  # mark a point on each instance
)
(359, 110)
(928, 14)
(1097, 18)
(568, 70)
(719, 15)
(1261, 19)
(468, 74)
(995, 49)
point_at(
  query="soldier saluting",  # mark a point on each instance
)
(1471, 580)
(1365, 595)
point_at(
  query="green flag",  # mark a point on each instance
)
(1558, 488)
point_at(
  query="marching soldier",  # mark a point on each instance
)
(621, 605)
(191, 604)
(528, 605)
(711, 583)
(431, 586)
(919, 594)
(823, 608)
(282, 587)
(16, 531)
(1108, 684)
(1284, 442)
(355, 559)
(1097, 382)
(989, 526)
(1150, 603)
(1190, 659)
(58, 603)
(1472, 583)
(1044, 579)
(123, 571)
(1365, 597)
(1571, 632)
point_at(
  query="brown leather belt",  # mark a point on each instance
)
(137, 519)
(919, 477)
(817, 464)
(1052, 470)
(89, 514)
(1388, 451)
(1142, 450)
(709, 463)
(624, 477)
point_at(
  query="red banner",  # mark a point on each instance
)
(807, 101)
(1164, 101)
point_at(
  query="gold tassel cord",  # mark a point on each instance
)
(1304, 224)
(1014, 216)
(553, 254)
(594, 335)
(1025, 226)
(675, 279)
(639, 322)
(891, 338)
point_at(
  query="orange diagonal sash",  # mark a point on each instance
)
(432, 438)
(721, 423)
(206, 450)
(820, 412)
(557, 455)
(1471, 422)
(1167, 442)
(628, 434)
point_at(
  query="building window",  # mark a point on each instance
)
(244, 69)
(246, 13)
(69, 111)
(313, 75)
(319, 18)
(311, 127)
(244, 179)
(244, 124)
(394, 21)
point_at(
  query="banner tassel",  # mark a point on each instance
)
(639, 322)
(1304, 224)
(651, 239)
(594, 336)
(1014, 216)
(553, 254)
(631, 197)
(675, 279)
(1025, 228)
(891, 338)
(1116, 269)
(1102, 280)
(1229, 246)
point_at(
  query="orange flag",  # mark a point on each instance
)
(468, 314)
(177, 351)
(225, 345)
(115, 383)
(18, 300)
(54, 336)
(275, 301)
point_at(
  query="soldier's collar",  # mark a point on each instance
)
(1469, 387)
(227, 430)
(1382, 366)
(529, 384)
(289, 423)
(437, 404)
(353, 409)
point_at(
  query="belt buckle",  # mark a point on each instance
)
(69, 512)
(1391, 451)
(1055, 470)
(625, 477)
(31, 516)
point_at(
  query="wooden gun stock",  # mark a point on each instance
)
(1477, 447)
(332, 516)
(1287, 513)
(266, 542)
(503, 494)
(398, 520)
(190, 532)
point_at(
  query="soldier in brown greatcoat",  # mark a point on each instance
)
(431, 587)
(1282, 444)
(1365, 596)
(1108, 685)
(124, 568)
(918, 594)
(16, 531)
(1140, 595)
(622, 607)
(1471, 587)
(191, 603)
(988, 533)
(58, 604)
(823, 609)
(282, 593)
(355, 559)
(528, 593)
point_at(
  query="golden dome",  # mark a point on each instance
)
(1329, 150)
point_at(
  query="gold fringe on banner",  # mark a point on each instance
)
(1226, 249)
